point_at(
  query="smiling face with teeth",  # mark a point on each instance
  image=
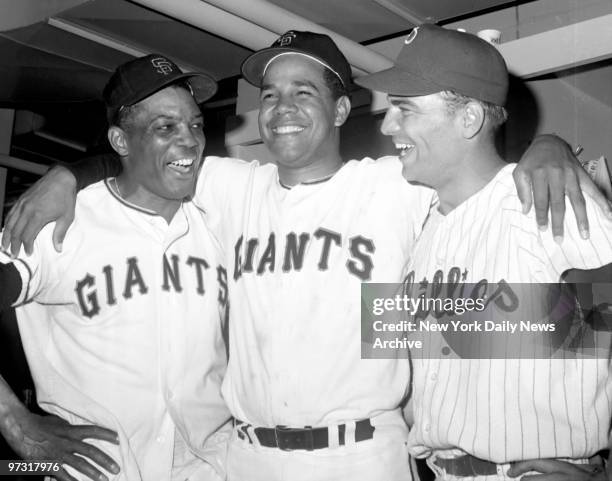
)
(425, 134)
(161, 148)
(299, 119)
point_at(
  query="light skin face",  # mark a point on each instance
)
(425, 135)
(453, 153)
(161, 149)
(299, 120)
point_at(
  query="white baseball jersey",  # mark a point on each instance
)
(123, 329)
(505, 410)
(297, 258)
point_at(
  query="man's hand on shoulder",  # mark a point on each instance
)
(547, 172)
(51, 438)
(51, 198)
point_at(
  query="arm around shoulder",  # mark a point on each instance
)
(93, 169)
(218, 177)
(573, 251)
(546, 174)
(51, 198)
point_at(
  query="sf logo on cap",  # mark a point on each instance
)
(286, 39)
(162, 65)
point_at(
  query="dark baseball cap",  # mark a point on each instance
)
(140, 78)
(317, 46)
(435, 59)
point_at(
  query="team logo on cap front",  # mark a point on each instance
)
(286, 39)
(411, 36)
(162, 65)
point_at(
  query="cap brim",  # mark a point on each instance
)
(253, 67)
(398, 81)
(202, 86)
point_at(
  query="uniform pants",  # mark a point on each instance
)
(188, 467)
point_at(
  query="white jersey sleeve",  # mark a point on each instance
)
(219, 178)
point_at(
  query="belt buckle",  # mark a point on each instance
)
(291, 439)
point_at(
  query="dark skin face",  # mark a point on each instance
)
(299, 120)
(162, 148)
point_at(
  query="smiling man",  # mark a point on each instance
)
(479, 418)
(299, 237)
(123, 328)
(302, 135)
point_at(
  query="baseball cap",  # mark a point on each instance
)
(316, 46)
(140, 78)
(435, 59)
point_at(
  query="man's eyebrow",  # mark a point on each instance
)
(306, 83)
(296, 83)
(198, 116)
(163, 117)
(396, 101)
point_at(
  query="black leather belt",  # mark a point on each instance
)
(466, 465)
(306, 438)
(470, 466)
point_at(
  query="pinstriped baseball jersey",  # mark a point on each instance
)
(122, 329)
(513, 409)
(297, 258)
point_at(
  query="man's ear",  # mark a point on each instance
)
(343, 109)
(472, 119)
(118, 140)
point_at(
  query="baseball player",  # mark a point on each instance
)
(123, 328)
(299, 237)
(472, 417)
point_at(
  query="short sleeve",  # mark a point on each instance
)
(218, 179)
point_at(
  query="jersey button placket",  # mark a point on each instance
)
(164, 310)
(283, 317)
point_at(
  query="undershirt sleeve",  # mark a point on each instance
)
(11, 290)
(93, 169)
